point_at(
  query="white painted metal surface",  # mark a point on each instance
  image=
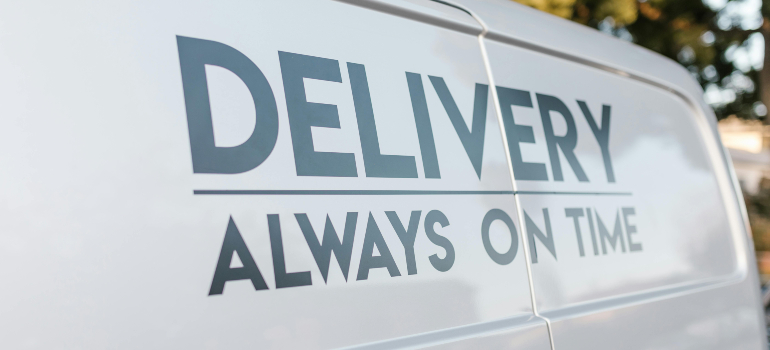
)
(642, 295)
(321, 174)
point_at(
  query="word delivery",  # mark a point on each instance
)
(207, 158)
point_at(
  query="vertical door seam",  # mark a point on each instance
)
(501, 126)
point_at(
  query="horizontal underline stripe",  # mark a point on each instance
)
(393, 192)
(577, 193)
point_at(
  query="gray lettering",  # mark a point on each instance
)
(376, 164)
(234, 243)
(207, 158)
(500, 258)
(604, 234)
(602, 135)
(519, 133)
(472, 140)
(593, 232)
(406, 236)
(424, 128)
(374, 237)
(283, 279)
(441, 265)
(630, 229)
(576, 214)
(567, 142)
(303, 115)
(331, 243)
(533, 231)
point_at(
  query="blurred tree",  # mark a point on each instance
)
(712, 40)
(758, 207)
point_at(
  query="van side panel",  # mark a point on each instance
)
(628, 209)
(240, 174)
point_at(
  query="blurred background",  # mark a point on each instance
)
(722, 44)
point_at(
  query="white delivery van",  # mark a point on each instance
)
(359, 174)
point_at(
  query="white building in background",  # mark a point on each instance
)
(747, 142)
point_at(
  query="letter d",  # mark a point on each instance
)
(194, 54)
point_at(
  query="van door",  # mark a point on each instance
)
(240, 174)
(634, 233)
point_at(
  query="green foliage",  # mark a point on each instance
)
(684, 30)
(561, 8)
